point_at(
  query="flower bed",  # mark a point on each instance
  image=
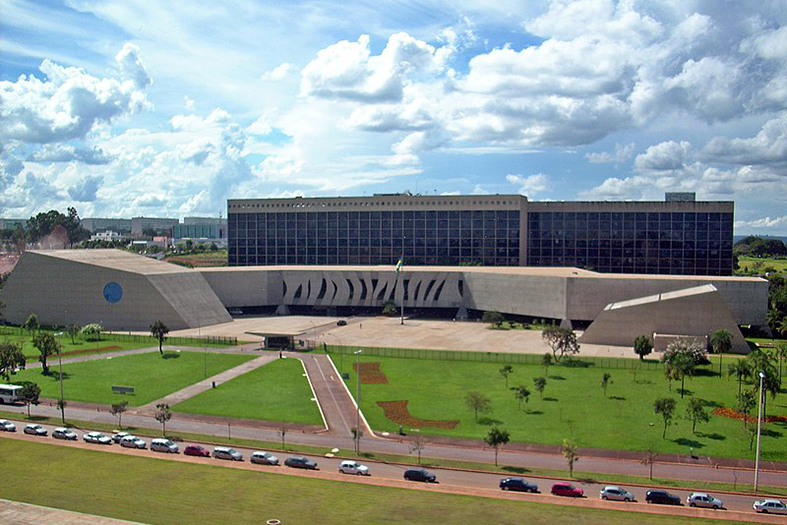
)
(397, 412)
(370, 373)
(734, 414)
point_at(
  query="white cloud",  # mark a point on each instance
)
(529, 185)
(85, 190)
(280, 72)
(69, 153)
(622, 153)
(668, 155)
(769, 146)
(763, 223)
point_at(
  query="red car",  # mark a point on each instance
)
(197, 450)
(567, 489)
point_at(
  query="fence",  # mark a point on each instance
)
(493, 357)
(211, 340)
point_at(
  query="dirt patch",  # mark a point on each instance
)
(734, 414)
(397, 412)
(370, 373)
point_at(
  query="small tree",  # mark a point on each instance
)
(696, 413)
(721, 342)
(606, 379)
(117, 410)
(561, 341)
(61, 405)
(649, 459)
(781, 352)
(162, 415)
(159, 330)
(540, 383)
(91, 332)
(417, 446)
(741, 369)
(11, 358)
(29, 395)
(642, 346)
(680, 360)
(666, 407)
(478, 402)
(546, 362)
(747, 400)
(569, 450)
(73, 331)
(522, 394)
(47, 346)
(389, 308)
(356, 434)
(282, 435)
(496, 438)
(505, 372)
(31, 323)
(494, 318)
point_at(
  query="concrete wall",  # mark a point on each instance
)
(537, 296)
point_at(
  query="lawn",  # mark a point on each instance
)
(152, 375)
(277, 391)
(573, 406)
(82, 347)
(157, 491)
(761, 264)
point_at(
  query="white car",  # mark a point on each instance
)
(616, 494)
(97, 438)
(264, 458)
(131, 441)
(64, 433)
(35, 430)
(353, 467)
(117, 436)
(770, 506)
(7, 426)
(163, 445)
(700, 499)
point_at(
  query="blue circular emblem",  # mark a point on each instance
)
(113, 292)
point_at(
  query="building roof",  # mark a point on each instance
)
(115, 259)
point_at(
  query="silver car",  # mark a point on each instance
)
(131, 441)
(614, 493)
(353, 467)
(97, 438)
(64, 433)
(164, 445)
(7, 426)
(770, 506)
(700, 499)
(227, 453)
(264, 458)
(35, 430)
(117, 436)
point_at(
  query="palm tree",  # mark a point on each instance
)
(741, 369)
(159, 330)
(721, 341)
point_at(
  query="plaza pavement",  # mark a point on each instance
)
(17, 513)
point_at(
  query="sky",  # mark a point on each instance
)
(129, 108)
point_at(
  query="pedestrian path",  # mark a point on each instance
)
(17, 513)
(53, 361)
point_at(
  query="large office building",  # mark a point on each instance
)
(678, 236)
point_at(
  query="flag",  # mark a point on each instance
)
(399, 266)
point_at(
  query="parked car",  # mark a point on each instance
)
(419, 474)
(341, 322)
(301, 462)
(117, 436)
(353, 467)
(614, 493)
(662, 497)
(518, 484)
(700, 499)
(64, 433)
(132, 441)
(35, 430)
(770, 506)
(7, 426)
(227, 453)
(196, 450)
(163, 445)
(567, 489)
(264, 458)
(97, 438)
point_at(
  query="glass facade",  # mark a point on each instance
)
(445, 237)
(656, 243)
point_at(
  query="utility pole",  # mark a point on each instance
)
(60, 364)
(357, 403)
(759, 427)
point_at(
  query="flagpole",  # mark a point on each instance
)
(401, 281)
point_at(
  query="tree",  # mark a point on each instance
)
(606, 379)
(642, 346)
(680, 359)
(695, 412)
(561, 341)
(721, 342)
(746, 401)
(389, 308)
(11, 358)
(73, 331)
(494, 318)
(569, 450)
(546, 362)
(740, 368)
(781, 353)
(43, 224)
(478, 402)
(356, 434)
(31, 323)
(29, 394)
(47, 346)
(540, 383)
(282, 435)
(666, 407)
(505, 372)
(496, 438)
(159, 330)
(649, 459)
(417, 446)
(162, 415)
(91, 332)
(117, 410)
(522, 394)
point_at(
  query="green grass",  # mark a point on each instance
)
(761, 264)
(152, 375)
(573, 406)
(158, 491)
(277, 391)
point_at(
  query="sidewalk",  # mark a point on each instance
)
(17, 513)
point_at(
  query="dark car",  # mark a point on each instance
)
(567, 489)
(341, 322)
(419, 474)
(518, 484)
(661, 497)
(197, 450)
(301, 462)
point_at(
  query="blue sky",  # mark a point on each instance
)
(124, 108)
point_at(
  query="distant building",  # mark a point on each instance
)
(12, 224)
(107, 235)
(99, 224)
(159, 225)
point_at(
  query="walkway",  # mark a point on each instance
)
(16, 513)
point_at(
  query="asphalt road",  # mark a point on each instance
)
(483, 484)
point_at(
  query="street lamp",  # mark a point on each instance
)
(759, 427)
(60, 363)
(357, 402)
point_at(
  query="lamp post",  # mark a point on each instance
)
(60, 364)
(357, 402)
(759, 427)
